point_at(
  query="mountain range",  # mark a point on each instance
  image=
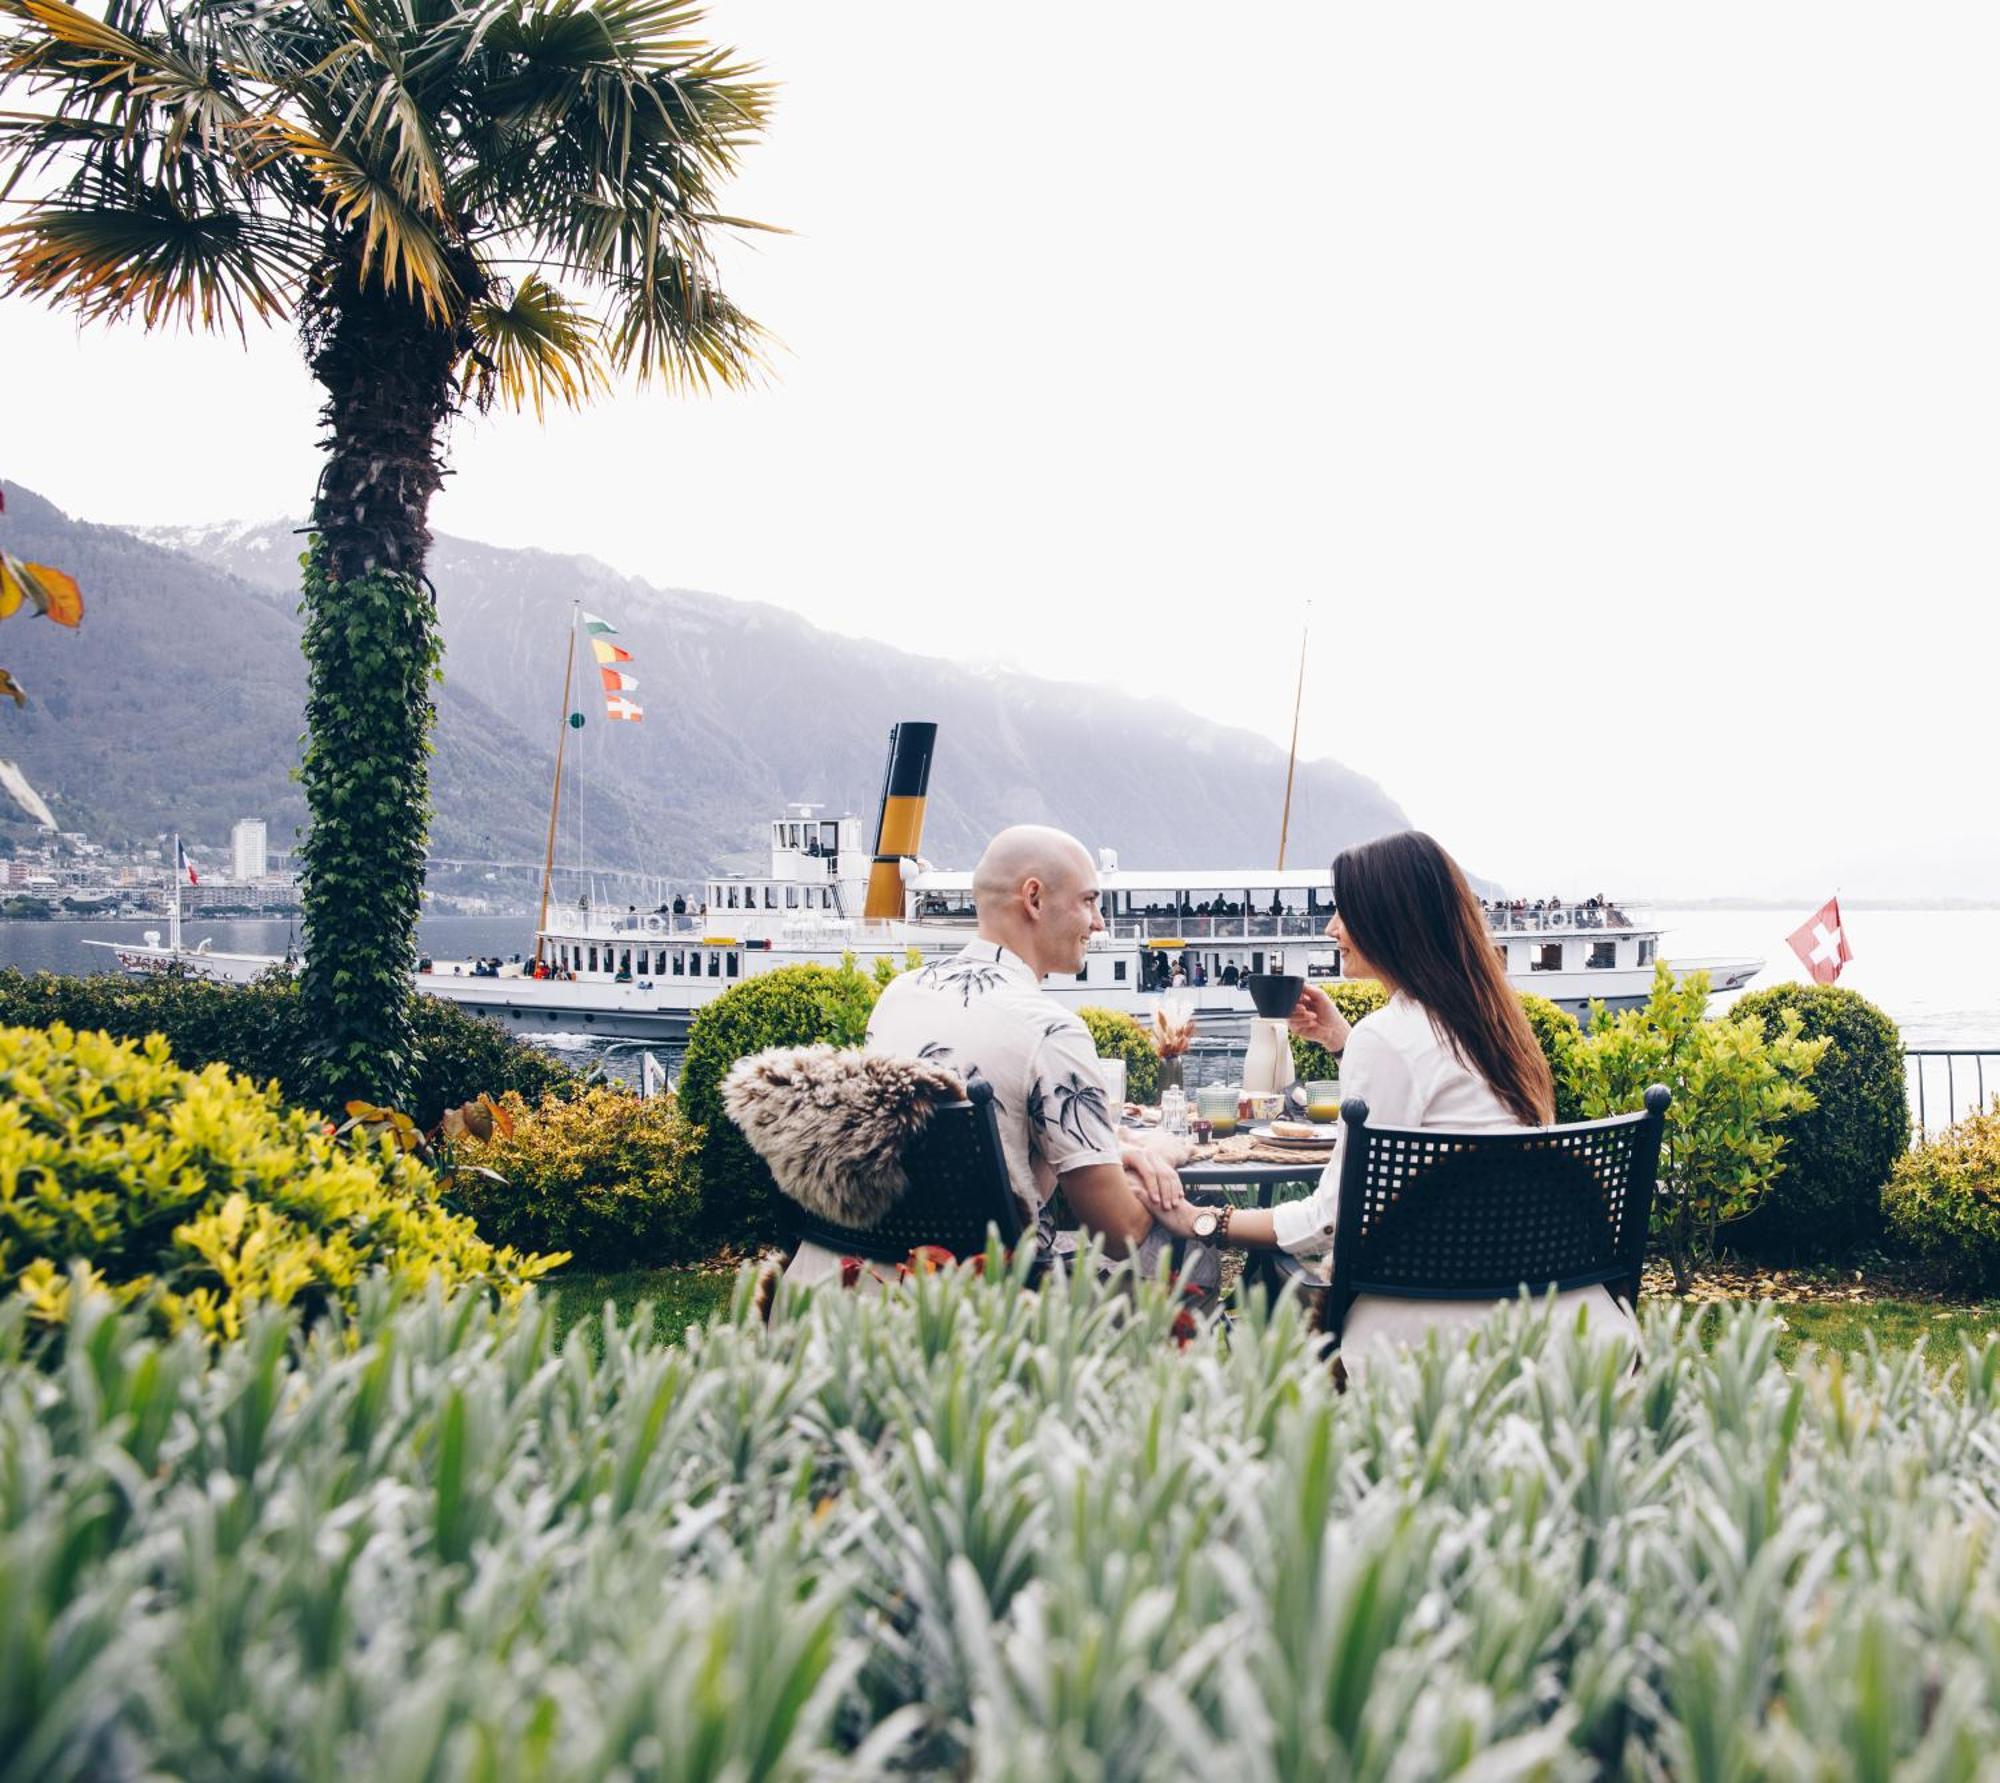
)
(178, 705)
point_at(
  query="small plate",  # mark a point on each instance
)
(1323, 1133)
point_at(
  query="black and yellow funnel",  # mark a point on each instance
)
(901, 827)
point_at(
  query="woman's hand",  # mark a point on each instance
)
(1317, 1019)
(1154, 1180)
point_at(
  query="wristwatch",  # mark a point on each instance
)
(1212, 1223)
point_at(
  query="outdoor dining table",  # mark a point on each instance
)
(1242, 1161)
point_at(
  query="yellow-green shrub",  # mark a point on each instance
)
(1943, 1200)
(610, 1177)
(1118, 1036)
(203, 1191)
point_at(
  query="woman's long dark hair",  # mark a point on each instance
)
(1409, 910)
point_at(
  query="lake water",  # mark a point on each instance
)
(1936, 973)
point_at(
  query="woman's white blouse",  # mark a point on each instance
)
(1405, 1070)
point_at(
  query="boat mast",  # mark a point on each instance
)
(1292, 762)
(174, 909)
(555, 793)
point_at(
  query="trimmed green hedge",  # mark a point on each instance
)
(1825, 1198)
(261, 1030)
(791, 1006)
(1119, 1036)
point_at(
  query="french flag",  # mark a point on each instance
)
(185, 866)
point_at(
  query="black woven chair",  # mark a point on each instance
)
(958, 1189)
(1429, 1215)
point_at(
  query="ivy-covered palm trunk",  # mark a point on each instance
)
(372, 649)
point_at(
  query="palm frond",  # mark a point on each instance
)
(399, 241)
(535, 347)
(151, 260)
(107, 71)
(671, 323)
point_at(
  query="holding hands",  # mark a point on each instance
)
(1149, 1169)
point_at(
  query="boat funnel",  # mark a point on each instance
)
(901, 826)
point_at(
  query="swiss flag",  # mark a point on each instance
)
(1821, 943)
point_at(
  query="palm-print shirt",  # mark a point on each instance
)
(985, 1015)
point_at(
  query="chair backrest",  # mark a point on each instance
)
(958, 1188)
(1433, 1215)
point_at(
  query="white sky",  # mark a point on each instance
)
(1619, 383)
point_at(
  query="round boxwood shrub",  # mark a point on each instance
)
(201, 1193)
(1118, 1036)
(1942, 1201)
(1354, 998)
(260, 1030)
(606, 1175)
(1556, 1034)
(1826, 1197)
(791, 1006)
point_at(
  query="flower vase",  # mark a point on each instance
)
(1170, 1076)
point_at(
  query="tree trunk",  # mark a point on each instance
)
(372, 647)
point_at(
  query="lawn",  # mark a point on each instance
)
(680, 1297)
(685, 1296)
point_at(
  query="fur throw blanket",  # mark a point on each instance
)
(832, 1124)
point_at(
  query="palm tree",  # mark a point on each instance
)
(456, 201)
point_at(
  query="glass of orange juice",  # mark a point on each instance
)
(1216, 1103)
(1323, 1101)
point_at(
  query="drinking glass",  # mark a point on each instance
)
(1217, 1103)
(1323, 1100)
(1113, 1071)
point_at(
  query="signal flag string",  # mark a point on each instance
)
(618, 686)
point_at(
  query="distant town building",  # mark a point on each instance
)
(248, 855)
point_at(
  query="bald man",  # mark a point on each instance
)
(985, 1015)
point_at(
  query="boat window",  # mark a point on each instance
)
(1548, 957)
(1603, 953)
(625, 963)
(734, 960)
(676, 968)
(791, 897)
(829, 838)
(1502, 952)
(715, 965)
(1646, 952)
(1118, 971)
(1083, 977)
(593, 959)
(770, 897)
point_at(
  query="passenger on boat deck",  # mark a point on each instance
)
(984, 1015)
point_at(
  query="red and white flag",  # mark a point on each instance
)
(1821, 943)
(183, 865)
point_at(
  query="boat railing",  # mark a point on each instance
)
(1569, 919)
(1288, 925)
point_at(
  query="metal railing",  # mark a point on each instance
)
(1948, 1083)
(1262, 926)
(1571, 919)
